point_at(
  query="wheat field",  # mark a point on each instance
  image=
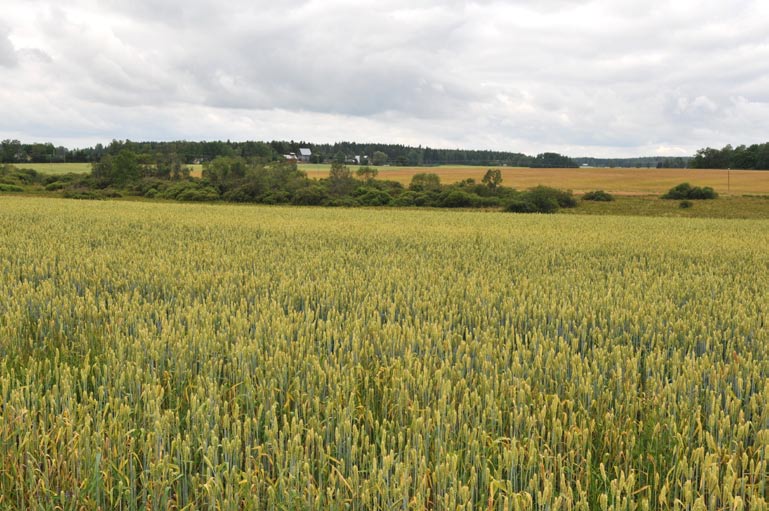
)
(178, 356)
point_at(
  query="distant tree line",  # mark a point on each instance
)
(753, 157)
(650, 162)
(402, 155)
(13, 151)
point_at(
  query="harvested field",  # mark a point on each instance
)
(614, 180)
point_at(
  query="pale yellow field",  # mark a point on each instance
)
(57, 168)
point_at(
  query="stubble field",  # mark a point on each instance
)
(580, 180)
(177, 356)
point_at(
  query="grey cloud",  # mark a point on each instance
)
(327, 65)
(615, 76)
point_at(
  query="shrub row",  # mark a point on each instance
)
(541, 199)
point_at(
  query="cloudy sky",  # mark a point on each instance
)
(600, 78)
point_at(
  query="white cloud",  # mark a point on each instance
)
(600, 77)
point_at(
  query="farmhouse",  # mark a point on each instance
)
(304, 155)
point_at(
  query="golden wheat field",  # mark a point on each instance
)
(179, 356)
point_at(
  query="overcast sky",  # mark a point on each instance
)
(599, 78)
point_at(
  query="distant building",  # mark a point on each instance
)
(304, 155)
(290, 157)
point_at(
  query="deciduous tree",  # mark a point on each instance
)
(492, 178)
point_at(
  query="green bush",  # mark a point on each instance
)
(362, 190)
(544, 204)
(244, 193)
(544, 196)
(687, 191)
(56, 185)
(425, 182)
(412, 198)
(147, 184)
(311, 196)
(374, 197)
(488, 202)
(391, 187)
(10, 188)
(11, 175)
(203, 194)
(85, 194)
(520, 206)
(25, 176)
(599, 196)
(276, 197)
(541, 199)
(189, 191)
(428, 199)
(111, 193)
(405, 199)
(704, 193)
(342, 202)
(458, 199)
(68, 178)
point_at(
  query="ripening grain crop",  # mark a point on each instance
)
(171, 356)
